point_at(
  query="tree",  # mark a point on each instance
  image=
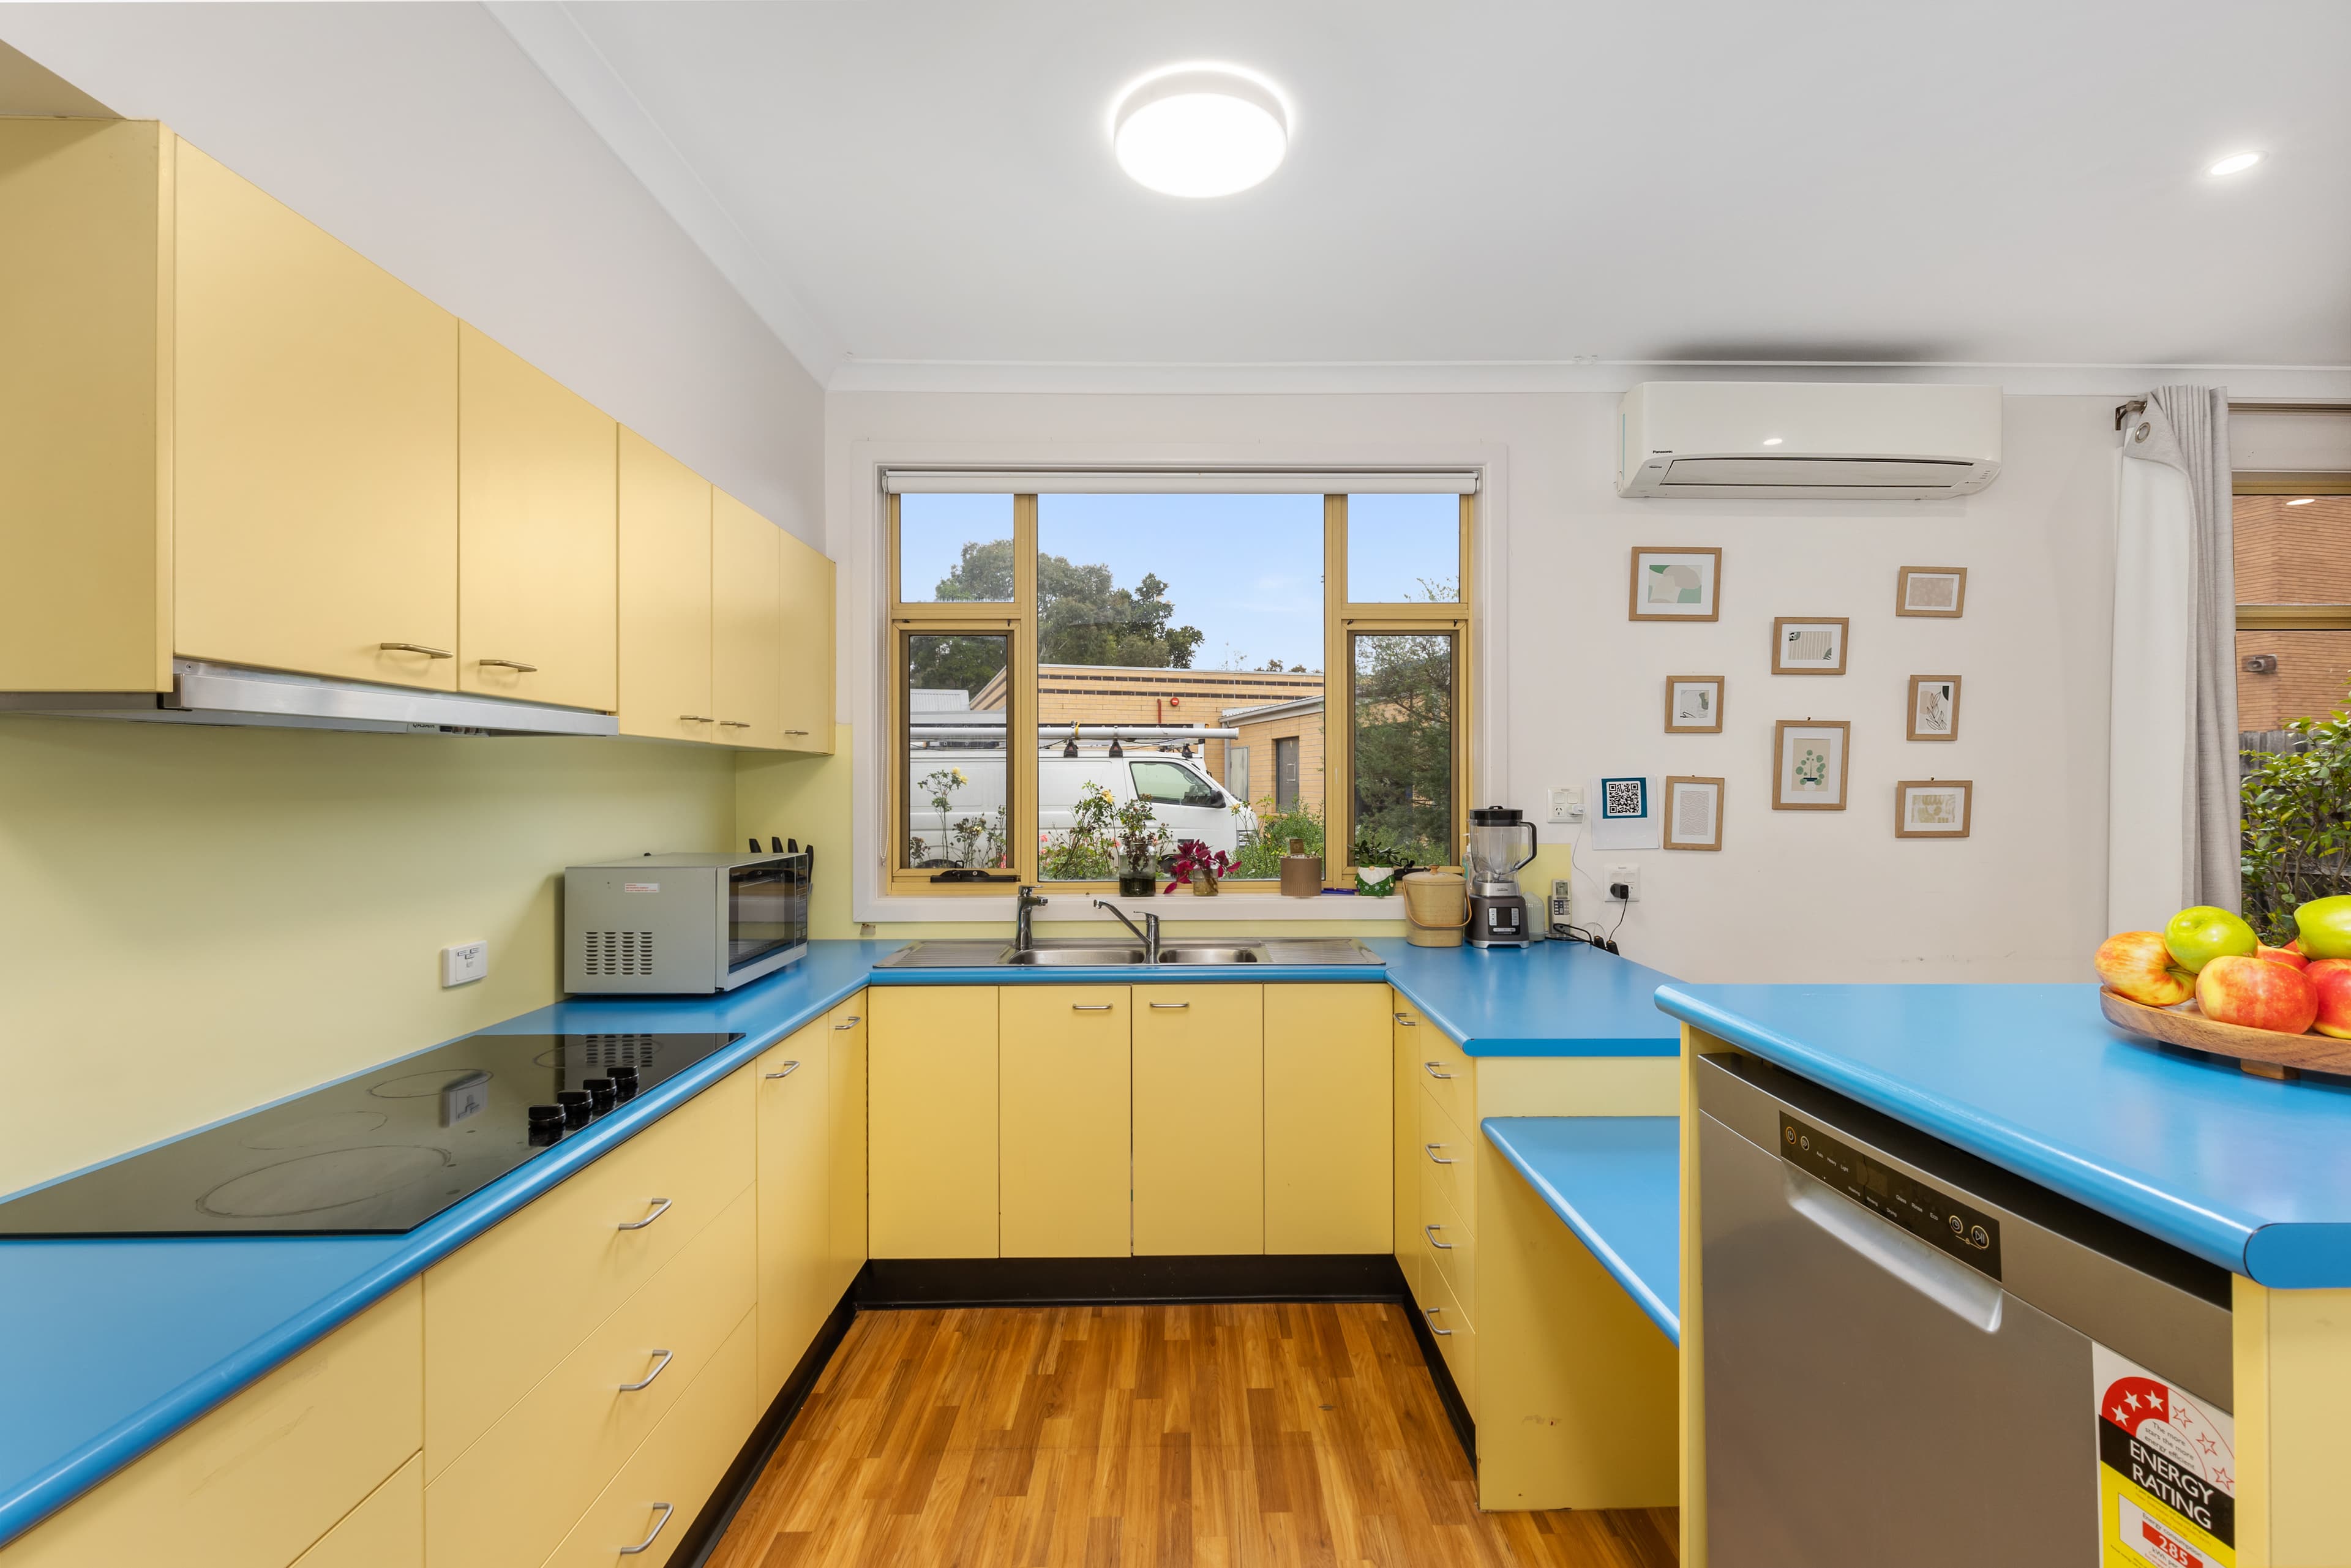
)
(1404, 746)
(1083, 618)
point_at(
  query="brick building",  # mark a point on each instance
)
(2288, 554)
(1279, 757)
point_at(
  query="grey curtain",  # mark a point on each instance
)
(2186, 428)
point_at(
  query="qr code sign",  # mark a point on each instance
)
(1622, 798)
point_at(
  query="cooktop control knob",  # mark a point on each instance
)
(546, 1124)
(624, 1080)
(576, 1106)
(599, 1094)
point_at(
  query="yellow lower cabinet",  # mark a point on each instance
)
(1329, 1114)
(387, 1531)
(1456, 1337)
(257, 1481)
(640, 1516)
(1200, 1119)
(510, 1497)
(1404, 1161)
(845, 1240)
(1452, 1244)
(795, 1200)
(1066, 1161)
(1448, 1165)
(931, 1098)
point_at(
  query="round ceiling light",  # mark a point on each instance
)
(1200, 130)
(2234, 163)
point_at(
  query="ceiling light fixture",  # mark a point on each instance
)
(1773, 440)
(1200, 130)
(2304, 501)
(2234, 163)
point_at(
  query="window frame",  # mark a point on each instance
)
(1341, 621)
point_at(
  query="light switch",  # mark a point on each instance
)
(465, 963)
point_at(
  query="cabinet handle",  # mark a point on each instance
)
(1432, 1149)
(661, 1206)
(660, 1364)
(1432, 1070)
(509, 664)
(659, 1524)
(796, 732)
(1407, 1022)
(1171, 1004)
(1431, 1312)
(789, 1068)
(1090, 1007)
(1433, 1241)
(734, 724)
(696, 718)
(849, 1022)
(416, 648)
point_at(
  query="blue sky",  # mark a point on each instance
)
(1245, 570)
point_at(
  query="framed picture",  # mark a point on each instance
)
(1809, 645)
(1808, 766)
(1676, 584)
(1931, 591)
(1933, 807)
(1933, 707)
(1693, 705)
(1693, 813)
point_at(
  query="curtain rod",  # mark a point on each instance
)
(2138, 405)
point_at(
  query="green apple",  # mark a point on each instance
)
(2324, 926)
(2197, 937)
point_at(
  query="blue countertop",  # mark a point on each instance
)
(1616, 1181)
(141, 1337)
(2251, 1174)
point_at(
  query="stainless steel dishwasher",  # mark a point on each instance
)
(1904, 1344)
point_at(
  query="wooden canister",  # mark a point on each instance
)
(1302, 874)
(1437, 904)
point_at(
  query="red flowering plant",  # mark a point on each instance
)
(1194, 858)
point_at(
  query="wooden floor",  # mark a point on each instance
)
(1130, 1436)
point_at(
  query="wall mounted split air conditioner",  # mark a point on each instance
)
(1814, 440)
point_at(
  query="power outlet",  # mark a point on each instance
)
(1567, 805)
(1626, 876)
(465, 963)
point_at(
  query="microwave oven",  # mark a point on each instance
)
(683, 925)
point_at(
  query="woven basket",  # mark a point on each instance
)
(1437, 904)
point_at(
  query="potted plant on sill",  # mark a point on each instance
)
(1141, 842)
(1199, 866)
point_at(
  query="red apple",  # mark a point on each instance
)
(2137, 964)
(2289, 956)
(2331, 979)
(2245, 990)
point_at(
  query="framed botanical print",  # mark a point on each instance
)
(1693, 813)
(1933, 707)
(1693, 705)
(1933, 807)
(1809, 764)
(1931, 591)
(1671, 584)
(1809, 644)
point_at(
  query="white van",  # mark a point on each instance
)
(1186, 801)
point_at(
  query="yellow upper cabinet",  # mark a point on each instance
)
(664, 595)
(315, 448)
(805, 632)
(747, 602)
(537, 598)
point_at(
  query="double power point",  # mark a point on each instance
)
(1624, 883)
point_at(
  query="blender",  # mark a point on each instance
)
(1490, 858)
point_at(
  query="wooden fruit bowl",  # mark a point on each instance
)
(2265, 1051)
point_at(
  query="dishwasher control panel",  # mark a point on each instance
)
(1959, 1229)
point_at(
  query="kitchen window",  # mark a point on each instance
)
(2292, 550)
(1070, 654)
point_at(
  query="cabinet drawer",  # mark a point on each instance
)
(1439, 1064)
(1456, 1339)
(257, 1480)
(1452, 1245)
(502, 1311)
(509, 1498)
(650, 1504)
(387, 1531)
(1448, 1155)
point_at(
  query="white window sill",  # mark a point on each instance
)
(1172, 907)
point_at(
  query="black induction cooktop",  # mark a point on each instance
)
(377, 1154)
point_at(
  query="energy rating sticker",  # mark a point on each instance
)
(2167, 1471)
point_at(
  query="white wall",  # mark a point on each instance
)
(1571, 689)
(421, 136)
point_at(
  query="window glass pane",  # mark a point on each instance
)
(953, 786)
(955, 548)
(1162, 621)
(2301, 674)
(1403, 747)
(2294, 550)
(1404, 550)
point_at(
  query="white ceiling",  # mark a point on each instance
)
(1505, 180)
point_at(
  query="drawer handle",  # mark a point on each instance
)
(796, 732)
(1432, 1313)
(1407, 1022)
(416, 648)
(659, 1525)
(734, 724)
(789, 1068)
(1092, 1007)
(660, 1366)
(1433, 1241)
(1432, 1149)
(1432, 1070)
(849, 1022)
(661, 1206)
(696, 718)
(1171, 1004)
(515, 665)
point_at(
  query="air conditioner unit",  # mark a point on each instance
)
(1810, 441)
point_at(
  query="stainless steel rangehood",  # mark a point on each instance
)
(228, 695)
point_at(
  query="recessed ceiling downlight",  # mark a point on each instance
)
(2234, 163)
(1200, 130)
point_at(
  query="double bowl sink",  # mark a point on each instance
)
(1071, 953)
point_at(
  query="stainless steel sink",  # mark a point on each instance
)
(1185, 953)
(1068, 953)
(1047, 955)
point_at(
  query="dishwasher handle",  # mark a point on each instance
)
(1948, 1282)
